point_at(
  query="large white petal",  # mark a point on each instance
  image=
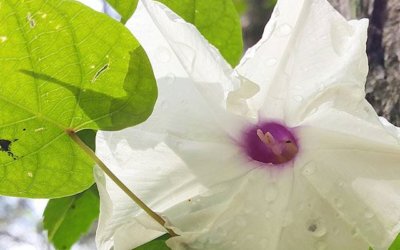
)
(266, 210)
(315, 223)
(244, 213)
(354, 165)
(166, 39)
(178, 153)
(308, 49)
(153, 158)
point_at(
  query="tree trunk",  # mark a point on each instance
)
(383, 46)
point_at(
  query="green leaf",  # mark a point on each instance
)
(156, 244)
(63, 68)
(396, 244)
(240, 5)
(124, 7)
(218, 21)
(67, 219)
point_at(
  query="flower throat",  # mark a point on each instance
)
(270, 142)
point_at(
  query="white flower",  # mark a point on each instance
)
(282, 152)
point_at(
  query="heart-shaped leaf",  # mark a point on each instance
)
(63, 68)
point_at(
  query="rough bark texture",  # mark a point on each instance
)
(383, 47)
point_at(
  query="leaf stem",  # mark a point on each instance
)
(119, 183)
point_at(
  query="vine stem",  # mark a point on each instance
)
(119, 183)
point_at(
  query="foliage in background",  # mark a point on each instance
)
(67, 219)
(156, 244)
(241, 6)
(124, 8)
(217, 21)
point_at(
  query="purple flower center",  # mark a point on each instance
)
(270, 142)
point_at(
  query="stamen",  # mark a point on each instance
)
(277, 145)
(270, 141)
(283, 151)
(261, 135)
(267, 138)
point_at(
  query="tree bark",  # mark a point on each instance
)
(383, 49)
(383, 46)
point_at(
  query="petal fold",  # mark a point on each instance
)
(309, 54)
(202, 61)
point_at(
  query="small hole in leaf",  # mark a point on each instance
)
(5, 146)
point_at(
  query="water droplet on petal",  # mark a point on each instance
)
(354, 232)
(240, 221)
(338, 202)
(163, 54)
(276, 12)
(313, 111)
(321, 245)
(340, 183)
(30, 174)
(284, 30)
(215, 239)
(271, 192)
(163, 105)
(271, 62)
(287, 220)
(206, 194)
(298, 98)
(3, 39)
(368, 214)
(250, 237)
(248, 210)
(187, 53)
(309, 169)
(267, 33)
(170, 78)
